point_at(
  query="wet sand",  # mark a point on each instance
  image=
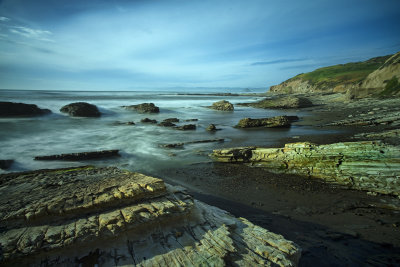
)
(334, 226)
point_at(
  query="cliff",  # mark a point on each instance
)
(370, 77)
(109, 217)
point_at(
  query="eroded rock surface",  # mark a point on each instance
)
(81, 109)
(273, 122)
(10, 109)
(144, 108)
(283, 102)
(222, 105)
(369, 165)
(106, 216)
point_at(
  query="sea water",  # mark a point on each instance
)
(140, 147)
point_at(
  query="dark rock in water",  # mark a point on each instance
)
(285, 102)
(171, 120)
(21, 109)
(175, 145)
(192, 120)
(117, 123)
(222, 105)
(81, 109)
(147, 120)
(293, 118)
(274, 122)
(144, 108)
(166, 124)
(180, 145)
(212, 128)
(186, 127)
(6, 163)
(81, 155)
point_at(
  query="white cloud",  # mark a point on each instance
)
(31, 33)
(4, 19)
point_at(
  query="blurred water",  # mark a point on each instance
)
(24, 138)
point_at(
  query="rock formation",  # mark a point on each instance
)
(10, 109)
(282, 102)
(368, 165)
(144, 108)
(81, 155)
(171, 120)
(166, 124)
(186, 127)
(180, 145)
(211, 128)
(106, 216)
(222, 105)
(273, 122)
(81, 109)
(147, 120)
(6, 163)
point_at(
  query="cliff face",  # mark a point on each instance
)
(359, 76)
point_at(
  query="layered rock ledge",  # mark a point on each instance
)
(368, 165)
(107, 216)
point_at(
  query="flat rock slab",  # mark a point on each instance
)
(106, 216)
(81, 155)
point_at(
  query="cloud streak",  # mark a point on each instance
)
(278, 61)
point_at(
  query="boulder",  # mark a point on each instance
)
(118, 123)
(283, 102)
(10, 109)
(166, 124)
(186, 127)
(171, 120)
(222, 105)
(90, 216)
(6, 163)
(365, 165)
(81, 155)
(274, 122)
(211, 128)
(144, 108)
(81, 109)
(147, 120)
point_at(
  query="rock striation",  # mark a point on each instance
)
(106, 216)
(273, 122)
(222, 105)
(144, 108)
(10, 109)
(81, 109)
(367, 165)
(81, 155)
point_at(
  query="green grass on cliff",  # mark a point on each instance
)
(329, 77)
(392, 87)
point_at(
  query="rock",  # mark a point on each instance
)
(6, 163)
(10, 109)
(222, 105)
(283, 102)
(211, 128)
(147, 120)
(188, 120)
(367, 165)
(144, 108)
(81, 155)
(186, 127)
(166, 124)
(117, 123)
(278, 121)
(180, 145)
(171, 120)
(107, 217)
(175, 145)
(81, 109)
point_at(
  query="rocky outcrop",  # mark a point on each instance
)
(186, 127)
(10, 109)
(144, 108)
(81, 109)
(283, 102)
(368, 165)
(166, 124)
(222, 105)
(273, 122)
(171, 120)
(82, 155)
(180, 145)
(147, 120)
(6, 163)
(106, 216)
(211, 128)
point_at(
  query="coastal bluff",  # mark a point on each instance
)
(110, 217)
(365, 165)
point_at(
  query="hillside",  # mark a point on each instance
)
(344, 77)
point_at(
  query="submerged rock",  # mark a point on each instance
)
(81, 109)
(171, 120)
(6, 163)
(211, 128)
(107, 217)
(186, 127)
(166, 124)
(180, 145)
(81, 155)
(222, 105)
(273, 122)
(10, 109)
(147, 120)
(118, 123)
(367, 165)
(144, 108)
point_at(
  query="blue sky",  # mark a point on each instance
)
(133, 45)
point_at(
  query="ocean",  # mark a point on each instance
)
(22, 139)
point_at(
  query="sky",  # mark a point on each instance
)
(140, 45)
